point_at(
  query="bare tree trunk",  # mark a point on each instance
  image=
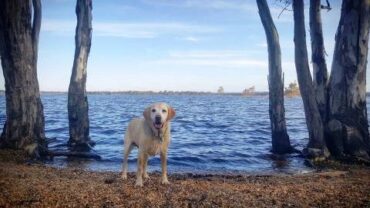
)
(348, 125)
(320, 71)
(280, 138)
(24, 127)
(77, 98)
(316, 145)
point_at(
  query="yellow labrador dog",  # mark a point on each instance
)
(151, 135)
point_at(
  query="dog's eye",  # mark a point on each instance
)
(164, 111)
(153, 110)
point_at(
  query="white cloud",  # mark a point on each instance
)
(130, 30)
(262, 45)
(58, 26)
(214, 54)
(207, 4)
(191, 39)
(59, 1)
(226, 59)
(223, 63)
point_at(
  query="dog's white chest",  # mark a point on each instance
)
(155, 148)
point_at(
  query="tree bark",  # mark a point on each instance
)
(280, 138)
(77, 98)
(24, 127)
(316, 145)
(320, 71)
(348, 125)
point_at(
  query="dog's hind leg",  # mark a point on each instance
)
(127, 149)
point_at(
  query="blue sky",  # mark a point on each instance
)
(195, 45)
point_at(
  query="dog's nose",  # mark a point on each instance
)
(158, 119)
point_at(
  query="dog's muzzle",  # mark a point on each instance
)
(158, 122)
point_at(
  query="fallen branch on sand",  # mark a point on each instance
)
(87, 155)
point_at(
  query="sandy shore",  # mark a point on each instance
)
(36, 185)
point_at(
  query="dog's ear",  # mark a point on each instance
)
(171, 113)
(146, 113)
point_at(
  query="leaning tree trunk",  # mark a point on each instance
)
(77, 99)
(348, 125)
(320, 71)
(24, 127)
(280, 138)
(316, 145)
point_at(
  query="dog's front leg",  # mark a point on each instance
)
(164, 167)
(140, 169)
(145, 171)
(127, 150)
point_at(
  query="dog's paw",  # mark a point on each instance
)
(124, 176)
(139, 184)
(165, 181)
(146, 176)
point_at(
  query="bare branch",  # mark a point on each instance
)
(285, 6)
(327, 7)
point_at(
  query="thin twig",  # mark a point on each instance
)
(285, 7)
(327, 7)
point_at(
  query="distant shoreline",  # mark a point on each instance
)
(261, 93)
(2, 92)
(160, 93)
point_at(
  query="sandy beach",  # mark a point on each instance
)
(25, 184)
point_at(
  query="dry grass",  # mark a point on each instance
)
(37, 185)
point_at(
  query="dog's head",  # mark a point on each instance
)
(158, 115)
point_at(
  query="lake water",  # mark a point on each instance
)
(210, 133)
